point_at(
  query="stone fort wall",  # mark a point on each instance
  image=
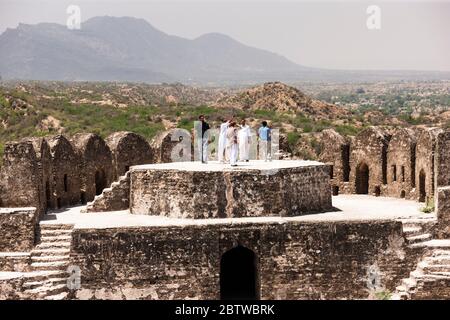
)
(294, 260)
(400, 162)
(58, 171)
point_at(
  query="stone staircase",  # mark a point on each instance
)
(49, 261)
(431, 276)
(419, 229)
(433, 270)
(114, 198)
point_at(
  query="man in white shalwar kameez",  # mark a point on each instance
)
(244, 137)
(232, 143)
(223, 141)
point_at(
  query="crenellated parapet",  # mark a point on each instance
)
(400, 162)
(58, 171)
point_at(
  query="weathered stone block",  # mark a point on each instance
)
(17, 228)
(193, 190)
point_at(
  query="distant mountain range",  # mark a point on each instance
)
(130, 49)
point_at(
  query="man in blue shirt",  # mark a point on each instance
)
(264, 134)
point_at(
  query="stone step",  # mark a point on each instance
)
(54, 245)
(443, 274)
(440, 253)
(12, 255)
(46, 274)
(52, 265)
(409, 283)
(43, 291)
(401, 295)
(44, 283)
(412, 230)
(59, 296)
(439, 260)
(436, 268)
(50, 252)
(416, 222)
(55, 226)
(60, 238)
(419, 238)
(56, 232)
(432, 277)
(416, 274)
(400, 288)
(435, 243)
(50, 258)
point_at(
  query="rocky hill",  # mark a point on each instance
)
(279, 97)
(130, 49)
(46, 108)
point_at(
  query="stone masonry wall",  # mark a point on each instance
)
(95, 164)
(295, 260)
(425, 173)
(128, 149)
(401, 164)
(44, 162)
(17, 229)
(442, 181)
(64, 182)
(443, 211)
(20, 178)
(369, 152)
(336, 153)
(221, 194)
(442, 159)
(54, 172)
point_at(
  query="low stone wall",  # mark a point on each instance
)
(15, 261)
(17, 228)
(443, 212)
(10, 288)
(185, 193)
(295, 260)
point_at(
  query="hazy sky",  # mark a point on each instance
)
(327, 34)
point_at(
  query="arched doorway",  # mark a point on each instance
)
(422, 192)
(100, 181)
(66, 183)
(238, 274)
(47, 195)
(362, 179)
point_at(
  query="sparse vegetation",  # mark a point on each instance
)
(47, 108)
(429, 206)
(383, 295)
(292, 138)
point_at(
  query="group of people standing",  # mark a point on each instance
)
(235, 141)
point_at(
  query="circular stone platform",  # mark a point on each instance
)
(214, 190)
